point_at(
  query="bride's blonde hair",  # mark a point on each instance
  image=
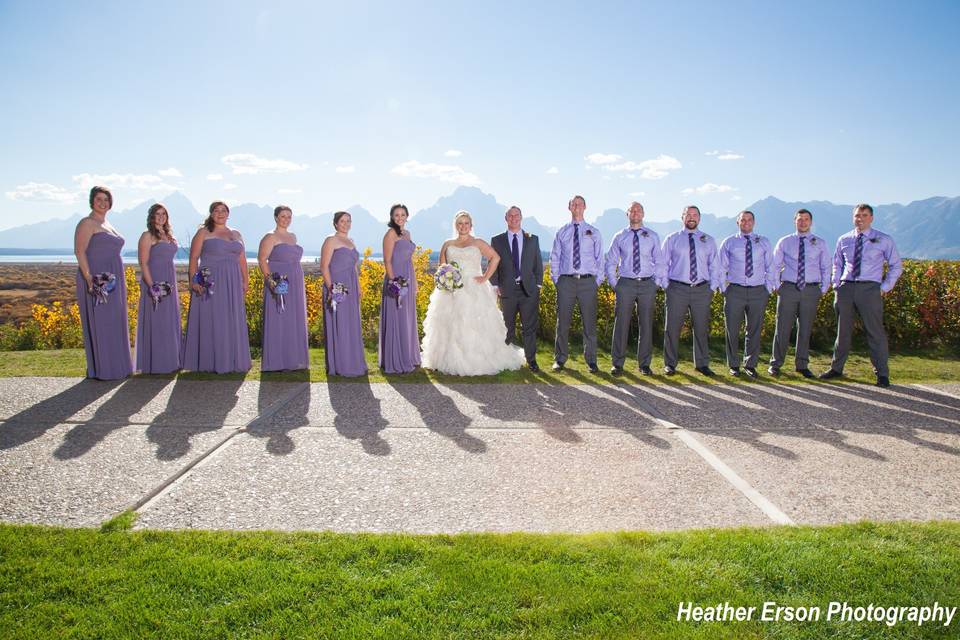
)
(456, 219)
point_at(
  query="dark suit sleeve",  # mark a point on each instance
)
(537, 261)
(495, 276)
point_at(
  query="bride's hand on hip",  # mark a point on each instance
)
(479, 279)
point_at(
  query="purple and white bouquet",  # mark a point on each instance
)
(448, 277)
(159, 291)
(103, 284)
(338, 293)
(204, 278)
(280, 287)
(398, 288)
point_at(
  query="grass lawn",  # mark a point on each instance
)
(905, 367)
(119, 584)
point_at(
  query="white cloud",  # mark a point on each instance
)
(346, 169)
(709, 187)
(712, 153)
(215, 176)
(248, 163)
(172, 172)
(453, 153)
(287, 192)
(145, 182)
(654, 169)
(228, 186)
(636, 194)
(43, 192)
(553, 171)
(730, 156)
(444, 172)
(603, 158)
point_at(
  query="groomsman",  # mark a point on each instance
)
(747, 280)
(635, 267)
(576, 267)
(518, 279)
(801, 266)
(858, 281)
(693, 270)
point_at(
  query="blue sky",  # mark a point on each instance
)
(324, 105)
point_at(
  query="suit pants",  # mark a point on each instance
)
(582, 291)
(640, 294)
(513, 300)
(865, 299)
(680, 298)
(795, 308)
(740, 301)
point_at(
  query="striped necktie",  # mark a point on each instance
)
(636, 252)
(857, 257)
(801, 265)
(748, 259)
(693, 259)
(576, 247)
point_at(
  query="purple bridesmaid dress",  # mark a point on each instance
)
(106, 333)
(285, 333)
(399, 340)
(344, 338)
(158, 330)
(217, 338)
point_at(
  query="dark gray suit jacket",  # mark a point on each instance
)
(531, 264)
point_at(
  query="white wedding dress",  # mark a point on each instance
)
(463, 331)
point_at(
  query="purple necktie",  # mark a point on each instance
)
(515, 250)
(748, 259)
(801, 265)
(636, 252)
(576, 247)
(857, 257)
(693, 259)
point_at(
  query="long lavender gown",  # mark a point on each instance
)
(106, 334)
(217, 338)
(344, 338)
(399, 340)
(158, 330)
(285, 333)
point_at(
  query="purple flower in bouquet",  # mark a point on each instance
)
(338, 293)
(159, 291)
(205, 280)
(398, 288)
(280, 287)
(448, 277)
(103, 284)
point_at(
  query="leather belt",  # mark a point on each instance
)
(685, 284)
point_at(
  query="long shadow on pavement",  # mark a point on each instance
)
(441, 415)
(191, 401)
(279, 442)
(358, 415)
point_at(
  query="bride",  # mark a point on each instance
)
(463, 330)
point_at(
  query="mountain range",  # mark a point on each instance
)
(927, 228)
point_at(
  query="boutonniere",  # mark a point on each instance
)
(813, 241)
(873, 240)
(588, 232)
(526, 235)
(756, 239)
(644, 233)
(703, 238)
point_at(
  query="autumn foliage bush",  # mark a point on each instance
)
(923, 310)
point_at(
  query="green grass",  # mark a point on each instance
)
(905, 367)
(150, 584)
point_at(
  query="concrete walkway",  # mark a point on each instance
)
(474, 457)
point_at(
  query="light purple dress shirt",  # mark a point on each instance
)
(733, 267)
(676, 252)
(878, 248)
(619, 259)
(816, 260)
(591, 252)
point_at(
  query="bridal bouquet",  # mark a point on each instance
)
(448, 277)
(280, 287)
(205, 280)
(103, 284)
(338, 293)
(159, 291)
(398, 288)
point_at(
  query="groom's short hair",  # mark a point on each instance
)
(512, 207)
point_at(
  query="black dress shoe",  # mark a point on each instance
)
(534, 367)
(734, 371)
(774, 371)
(806, 373)
(883, 381)
(593, 368)
(751, 372)
(647, 371)
(707, 371)
(616, 371)
(557, 367)
(668, 370)
(829, 374)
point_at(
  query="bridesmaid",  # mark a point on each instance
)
(284, 333)
(158, 328)
(217, 338)
(106, 333)
(399, 340)
(344, 337)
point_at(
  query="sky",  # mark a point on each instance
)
(325, 105)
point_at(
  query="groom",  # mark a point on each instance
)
(518, 279)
